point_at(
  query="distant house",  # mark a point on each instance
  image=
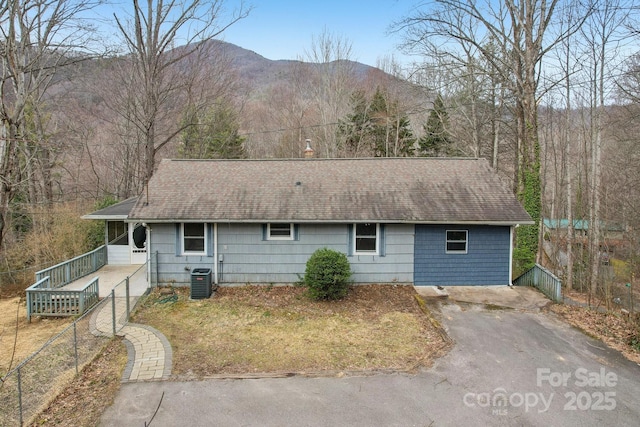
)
(581, 227)
(424, 221)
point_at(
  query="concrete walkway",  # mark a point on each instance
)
(515, 297)
(149, 352)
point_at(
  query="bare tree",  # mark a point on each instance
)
(518, 32)
(602, 37)
(332, 82)
(568, 64)
(39, 37)
(161, 75)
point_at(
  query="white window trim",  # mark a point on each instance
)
(289, 237)
(466, 242)
(355, 241)
(185, 252)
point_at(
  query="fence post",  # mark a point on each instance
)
(127, 296)
(28, 307)
(20, 396)
(113, 310)
(75, 345)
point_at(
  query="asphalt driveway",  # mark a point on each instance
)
(508, 367)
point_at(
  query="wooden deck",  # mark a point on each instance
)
(74, 298)
(110, 276)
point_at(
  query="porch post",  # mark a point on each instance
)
(148, 247)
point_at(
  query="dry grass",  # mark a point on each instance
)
(263, 330)
(30, 336)
(91, 393)
(619, 332)
(276, 329)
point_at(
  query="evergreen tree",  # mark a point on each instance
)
(376, 128)
(380, 124)
(436, 141)
(211, 134)
(405, 138)
(354, 131)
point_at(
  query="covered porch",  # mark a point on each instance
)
(126, 243)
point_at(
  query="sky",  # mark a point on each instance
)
(284, 29)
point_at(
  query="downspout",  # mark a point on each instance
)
(215, 253)
(511, 254)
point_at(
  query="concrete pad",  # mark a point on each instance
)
(432, 291)
(516, 297)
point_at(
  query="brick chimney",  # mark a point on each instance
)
(308, 152)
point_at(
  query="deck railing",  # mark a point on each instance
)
(542, 279)
(73, 269)
(44, 300)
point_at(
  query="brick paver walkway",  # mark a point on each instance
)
(149, 351)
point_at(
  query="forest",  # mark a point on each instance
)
(547, 91)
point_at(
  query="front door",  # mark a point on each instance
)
(138, 243)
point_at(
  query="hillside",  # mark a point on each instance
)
(279, 103)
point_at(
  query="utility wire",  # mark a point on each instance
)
(286, 129)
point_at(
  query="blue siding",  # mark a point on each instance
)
(247, 258)
(486, 262)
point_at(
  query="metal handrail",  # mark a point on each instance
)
(544, 280)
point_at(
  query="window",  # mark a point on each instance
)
(456, 241)
(117, 233)
(194, 238)
(366, 239)
(280, 231)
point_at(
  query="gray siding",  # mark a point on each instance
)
(167, 266)
(247, 258)
(119, 254)
(486, 262)
(396, 266)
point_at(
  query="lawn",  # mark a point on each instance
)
(84, 400)
(265, 329)
(19, 338)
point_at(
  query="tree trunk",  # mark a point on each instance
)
(568, 181)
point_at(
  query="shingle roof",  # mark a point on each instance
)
(118, 211)
(420, 190)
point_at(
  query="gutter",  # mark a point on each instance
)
(333, 221)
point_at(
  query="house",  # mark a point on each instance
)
(426, 221)
(610, 230)
(614, 240)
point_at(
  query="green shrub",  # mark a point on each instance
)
(327, 275)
